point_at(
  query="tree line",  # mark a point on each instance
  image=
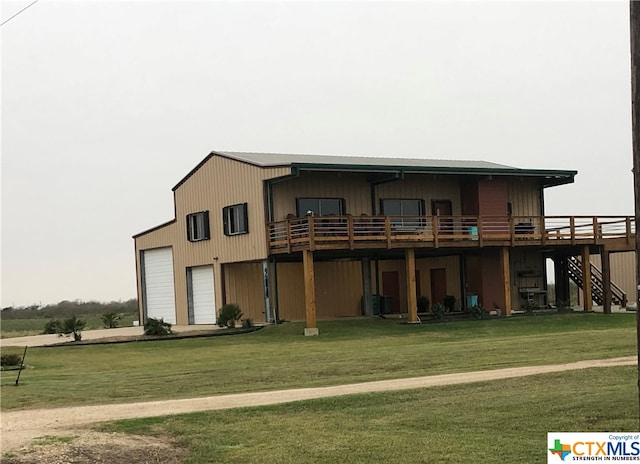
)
(68, 308)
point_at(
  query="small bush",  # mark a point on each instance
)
(247, 323)
(110, 320)
(157, 327)
(228, 315)
(73, 326)
(11, 359)
(477, 311)
(438, 310)
(53, 326)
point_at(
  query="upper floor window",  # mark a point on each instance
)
(402, 207)
(235, 220)
(320, 206)
(198, 226)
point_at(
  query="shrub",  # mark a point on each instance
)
(157, 327)
(438, 310)
(423, 304)
(10, 359)
(110, 320)
(477, 311)
(73, 326)
(53, 326)
(247, 323)
(228, 315)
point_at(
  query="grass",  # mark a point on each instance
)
(52, 439)
(491, 422)
(279, 357)
(24, 327)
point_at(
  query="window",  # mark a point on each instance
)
(403, 207)
(198, 226)
(234, 219)
(320, 206)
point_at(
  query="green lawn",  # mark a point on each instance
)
(279, 357)
(491, 422)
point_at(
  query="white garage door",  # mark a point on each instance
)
(159, 301)
(203, 300)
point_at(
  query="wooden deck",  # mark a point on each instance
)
(366, 232)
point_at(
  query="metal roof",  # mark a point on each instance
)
(370, 164)
(285, 159)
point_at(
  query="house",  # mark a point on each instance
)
(300, 237)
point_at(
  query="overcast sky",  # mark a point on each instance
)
(107, 105)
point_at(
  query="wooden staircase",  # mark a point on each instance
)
(618, 297)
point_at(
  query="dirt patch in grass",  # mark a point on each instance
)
(89, 447)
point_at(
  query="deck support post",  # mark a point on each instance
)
(506, 278)
(309, 293)
(586, 279)
(606, 280)
(410, 266)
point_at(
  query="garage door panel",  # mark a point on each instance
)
(159, 284)
(203, 295)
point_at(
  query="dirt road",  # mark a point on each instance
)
(19, 428)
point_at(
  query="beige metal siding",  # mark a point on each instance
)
(243, 286)
(338, 286)
(423, 186)
(353, 188)
(290, 292)
(219, 183)
(524, 196)
(623, 272)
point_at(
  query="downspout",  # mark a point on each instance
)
(394, 177)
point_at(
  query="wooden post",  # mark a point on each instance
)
(410, 266)
(572, 229)
(634, 15)
(435, 224)
(606, 280)
(506, 278)
(350, 230)
(312, 232)
(586, 279)
(309, 293)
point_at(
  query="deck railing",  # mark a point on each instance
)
(387, 231)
